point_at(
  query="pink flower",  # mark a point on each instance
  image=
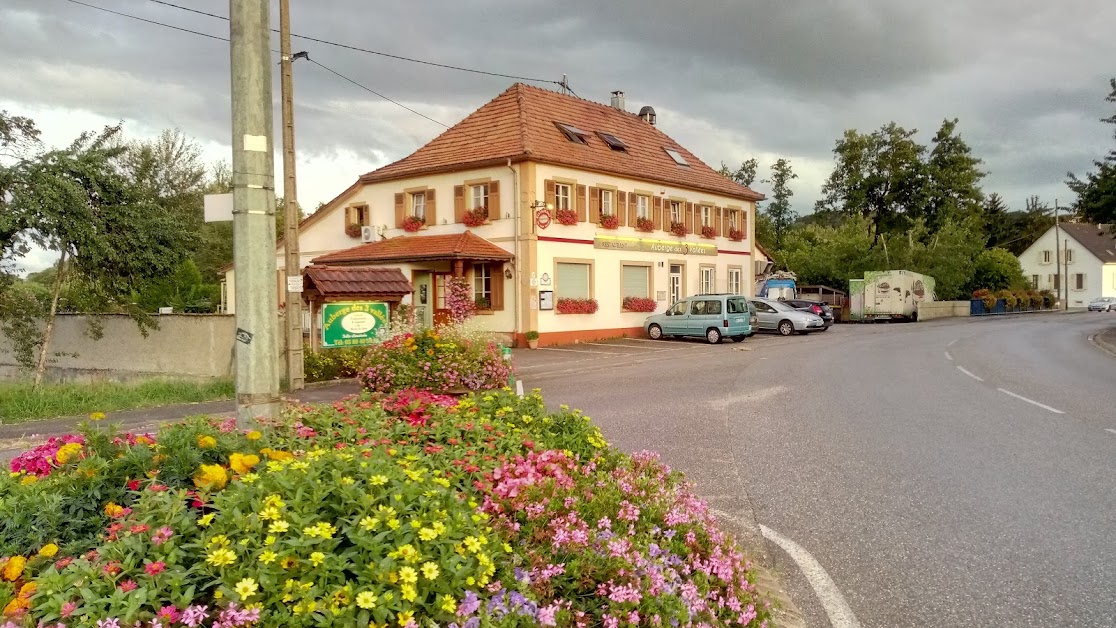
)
(154, 569)
(108, 623)
(162, 535)
(128, 586)
(168, 613)
(194, 615)
(68, 608)
(547, 614)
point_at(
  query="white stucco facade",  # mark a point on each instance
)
(1045, 261)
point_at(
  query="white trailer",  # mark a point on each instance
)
(889, 294)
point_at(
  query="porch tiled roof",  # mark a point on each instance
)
(519, 124)
(340, 281)
(464, 246)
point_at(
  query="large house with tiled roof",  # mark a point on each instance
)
(1075, 260)
(565, 216)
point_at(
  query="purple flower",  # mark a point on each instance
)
(469, 605)
(108, 623)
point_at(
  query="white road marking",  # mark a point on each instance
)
(969, 373)
(952, 342)
(570, 350)
(1110, 430)
(605, 344)
(948, 356)
(840, 615)
(1031, 401)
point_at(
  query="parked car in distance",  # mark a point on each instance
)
(779, 317)
(1103, 304)
(709, 316)
(814, 307)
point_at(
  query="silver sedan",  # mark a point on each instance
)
(779, 317)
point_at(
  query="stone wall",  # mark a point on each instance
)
(929, 310)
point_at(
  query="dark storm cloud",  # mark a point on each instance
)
(733, 79)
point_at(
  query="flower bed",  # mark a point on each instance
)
(566, 217)
(736, 235)
(610, 221)
(708, 231)
(413, 223)
(475, 217)
(567, 305)
(443, 360)
(678, 229)
(639, 304)
(645, 224)
(402, 510)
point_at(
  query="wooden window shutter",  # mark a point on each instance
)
(550, 195)
(494, 201)
(431, 209)
(621, 208)
(497, 285)
(657, 212)
(689, 217)
(744, 222)
(717, 221)
(632, 206)
(458, 203)
(582, 212)
(350, 215)
(400, 209)
(594, 205)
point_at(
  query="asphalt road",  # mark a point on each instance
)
(930, 496)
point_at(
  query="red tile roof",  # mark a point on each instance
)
(1098, 239)
(519, 124)
(349, 280)
(465, 246)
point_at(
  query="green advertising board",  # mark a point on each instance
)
(352, 324)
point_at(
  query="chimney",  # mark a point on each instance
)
(618, 100)
(648, 115)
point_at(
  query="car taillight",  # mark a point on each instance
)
(817, 309)
(726, 322)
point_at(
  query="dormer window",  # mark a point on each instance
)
(573, 133)
(613, 142)
(676, 156)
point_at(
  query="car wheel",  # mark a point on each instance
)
(655, 332)
(739, 338)
(713, 336)
(786, 328)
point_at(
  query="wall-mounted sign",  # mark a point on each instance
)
(545, 279)
(542, 218)
(546, 300)
(294, 283)
(653, 246)
(352, 324)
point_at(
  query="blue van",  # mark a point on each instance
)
(712, 316)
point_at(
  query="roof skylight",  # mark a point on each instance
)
(676, 156)
(613, 142)
(573, 133)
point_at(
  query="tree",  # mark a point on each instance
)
(952, 178)
(1096, 193)
(779, 210)
(744, 175)
(17, 136)
(996, 269)
(879, 176)
(995, 219)
(112, 234)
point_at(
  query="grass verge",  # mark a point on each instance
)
(18, 403)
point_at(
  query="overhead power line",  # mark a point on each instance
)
(141, 19)
(373, 52)
(374, 92)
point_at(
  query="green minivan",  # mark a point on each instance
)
(712, 316)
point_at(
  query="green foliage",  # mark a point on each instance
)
(831, 256)
(1008, 298)
(986, 297)
(1096, 193)
(953, 179)
(19, 402)
(744, 175)
(22, 306)
(448, 359)
(997, 269)
(779, 210)
(1048, 298)
(184, 290)
(327, 364)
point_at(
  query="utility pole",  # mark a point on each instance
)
(253, 179)
(295, 377)
(1059, 279)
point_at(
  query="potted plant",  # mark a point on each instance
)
(413, 223)
(736, 235)
(610, 221)
(567, 305)
(475, 217)
(483, 303)
(566, 217)
(645, 224)
(532, 339)
(638, 304)
(708, 231)
(677, 228)
(352, 230)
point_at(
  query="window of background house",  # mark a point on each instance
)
(636, 281)
(706, 216)
(480, 196)
(708, 276)
(1046, 257)
(1034, 282)
(732, 219)
(1057, 282)
(606, 203)
(1069, 256)
(561, 196)
(735, 281)
(572, 280)
(643, 204)
(1078, 281)
(675, 211)
(418, 205)
(482, 286)
(359, 215)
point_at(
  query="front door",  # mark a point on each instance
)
(675, 283)
(441, 312)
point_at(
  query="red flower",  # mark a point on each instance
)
(133, 485)
(154, 569)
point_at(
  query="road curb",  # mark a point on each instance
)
(1105, 341)
(785, 614)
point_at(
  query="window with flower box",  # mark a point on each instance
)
(561, 196)
(643, 206)
(706, 216)
(573, 280)
(482, 286)
(418, 205)
(479, 195)
(635, 280)
(675, 211)
(607, 208)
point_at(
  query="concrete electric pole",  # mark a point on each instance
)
(253, 179)
(295, 377)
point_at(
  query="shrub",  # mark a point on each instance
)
(459, 300)
(442, 360)
(1048, 299)
(639, 304)
(532, 335)
(610, 221)
(1035, 297)
(475, 217)
(327, 364)
(1009, 298)
(566, 217)
(986, 297)
(566, 305)
(736, 235)
(645, 224)
(413, 223)
(678, 229)
(708, 231)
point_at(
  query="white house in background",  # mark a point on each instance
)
(1084, 253)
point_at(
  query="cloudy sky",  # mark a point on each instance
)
(729, 79)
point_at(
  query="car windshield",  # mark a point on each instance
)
(782, 307)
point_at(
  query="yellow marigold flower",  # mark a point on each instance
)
(207, 442)
(370, 523)
(430, 570)
(29, 480)
(270, 513)
(246, 588)
(96, 416)
(316, 558)
(366, 600)
(472, 544)
(249, 478)
(27, 590)
(66, 452)
(288, 561)
(48, 550)
(13, 568)
(408, 575)
(347, 481)
(113, 509)
(427, 534)
(220, 557)
(408, 592)
(274, 501)
(378, 480)
(218, 594)
(218, 541)
(278, 455)
(268, 557)
(278, 527)
(205, 520)
(253, 435)
(393, 523)
(211, 476)
(143, 440)
(270, 540)
(243, 463)
(405, 617)
(449, 604)
(16, 605)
